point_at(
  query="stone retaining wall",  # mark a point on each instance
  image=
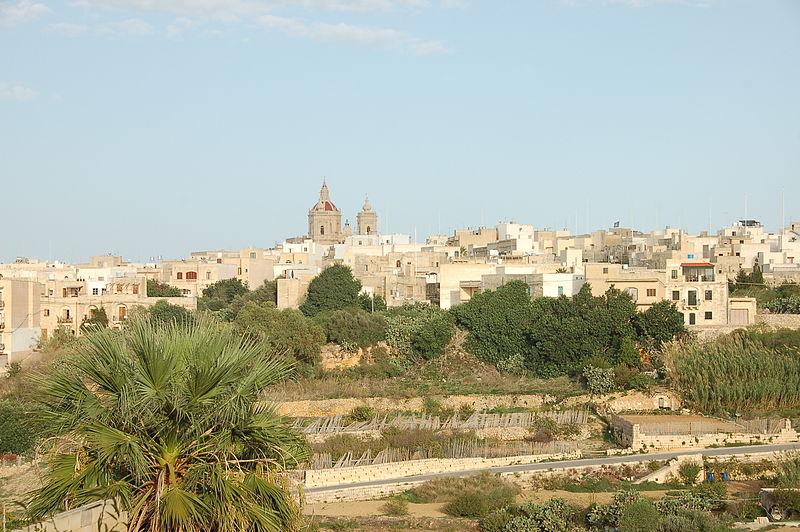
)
(100, 515)
(791, 321)
(350, 475)
(616, 402)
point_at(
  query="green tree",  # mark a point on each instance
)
(220, 294)
(97, 318)
(371, 304)
(284, 331)
(660, 323)
(431, 338)
(333, 289)
(496, 321)
(164, 312)
(169, 422)
(157, 289)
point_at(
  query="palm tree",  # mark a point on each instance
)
(166, 420)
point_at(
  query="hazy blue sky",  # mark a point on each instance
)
(157, 127)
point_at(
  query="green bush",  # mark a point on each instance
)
(639, 516)
(361, 413)
(19, 430)
(286, 331)
(396, 507)
(471, 504)
(598, 380)
(688, 472)
(418, 331)
(355, 327)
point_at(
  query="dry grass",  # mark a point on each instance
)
(455, 373)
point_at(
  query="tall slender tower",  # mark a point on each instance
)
(325, 219)
(367, 220)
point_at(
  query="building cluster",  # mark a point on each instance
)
(36, 298)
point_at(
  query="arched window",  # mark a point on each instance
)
(122, 312)
(322, 229)
(369, 230)
(398, 264)
(180, 275)
(191, 275)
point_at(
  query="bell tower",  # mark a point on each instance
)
(367, 219)
(325, 219)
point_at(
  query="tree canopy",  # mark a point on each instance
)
(333, 289)
(158, 289)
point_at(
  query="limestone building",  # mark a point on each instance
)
(367, 220)
(325, 219)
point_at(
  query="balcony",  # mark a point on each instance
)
(2, 304)
(64, 319)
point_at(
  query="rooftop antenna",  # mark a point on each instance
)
(745, 205)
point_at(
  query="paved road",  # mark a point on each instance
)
(568, 464)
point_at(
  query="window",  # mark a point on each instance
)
(605, 270)
(191, 275)
(676, 295)
(136, 289)
(633, 292)
(674, 274)
(708, 316)
(180, 275)
(561, 290)
(651, 292)
(691, 300)
(692, 318)
(46, 312)
(322, 229)
(95, 292)
(366, 267)
(252, 254)
(709, 295)
(219, 261)
(369, 230)
(397, 265)
(208, 274)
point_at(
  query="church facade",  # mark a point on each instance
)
(325, 220)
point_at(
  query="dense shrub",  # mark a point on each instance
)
(554, 516)
(557, 336)
(354, 327)
(418, 331)
(470, 504)
(785, 305)
(220, 294)
(640, 516)
(395, 506)
(19, 431)
(688, 472)
(286, 331)
(598, 380)
(158, 289)
(163, 313)
(660, 323)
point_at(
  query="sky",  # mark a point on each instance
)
(158, 127)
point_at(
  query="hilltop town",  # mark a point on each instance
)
(693, 271)
(497, 379)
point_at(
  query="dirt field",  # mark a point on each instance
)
(370, 508)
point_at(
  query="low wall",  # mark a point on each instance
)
(341, 407)
(791, 321)
(100, 515)
(350, 475)
(632, 435)
(616, 402)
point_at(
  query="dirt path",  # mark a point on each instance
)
(370, 509)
